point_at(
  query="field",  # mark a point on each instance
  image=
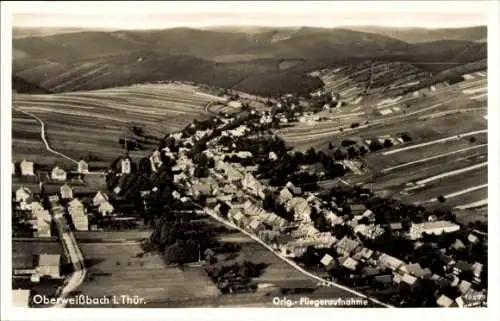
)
(446, 156)
(90, 124)
(116, 269)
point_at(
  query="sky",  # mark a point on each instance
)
(158, 15)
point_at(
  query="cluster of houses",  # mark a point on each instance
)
(25, 200)
(58, 174)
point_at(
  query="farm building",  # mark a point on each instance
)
(390, 262)
(66, 192)
(436, 228)
(21, 298)
(77, 212)
(126, 166)
(256, 226)
(106, 208)
(49, 265)
(285, 195)
(36, 207)
(350, 264)
(43, 220)
(445, 302)
(82, 167)
(328, 262)
(23, 195)
(99, 198)
(58, 174)
(75, 204)
(27, 168)
(346, 246)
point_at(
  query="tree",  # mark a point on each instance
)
(472, 140)
(388, 143)
(441, 199)
(182, 252)
(330, 146)
(375, 145)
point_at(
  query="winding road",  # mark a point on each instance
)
(291, 263)
(42, 135)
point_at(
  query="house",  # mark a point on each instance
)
(66, 192)
(82, 167)
(300, 208)
(409, 279)
(106, 208)
(58, 174)
(239, 219)
(477, 269)
(358, 209)
(200, 189)
(328, 262)
(80, 220)
(364, 254)
(36, 207)
(42, 223)
(27, 168)
(445, 302)
(284, 196)
(369, 231)
(117, 190)
(458, 245)
(23, 195)
(472, 238)
(272, 156)
(21, 298)
(346, 246)
(75, 204)
(464, 286)
(390, 262)
(99, 198)
(436, 228)
(256, 226)
(415, 269)
(396, 226)
(332, 218)
(126, 166)
(295, 190)
(350, 264)
(49, 265)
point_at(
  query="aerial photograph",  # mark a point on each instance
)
(217, 160)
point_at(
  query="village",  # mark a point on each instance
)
(340, 234)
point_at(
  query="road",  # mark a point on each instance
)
(293, 264)
(42, 135)
(71, 250)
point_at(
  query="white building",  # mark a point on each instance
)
(436, 228)
(82, 167)
(58, 174)
(66, 192)
(21, 298)
(23, 194)
(99, 198)
(126, 166)
(49, 265)
(106, 208)
(27, 168)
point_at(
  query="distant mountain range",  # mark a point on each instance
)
(255, 59)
